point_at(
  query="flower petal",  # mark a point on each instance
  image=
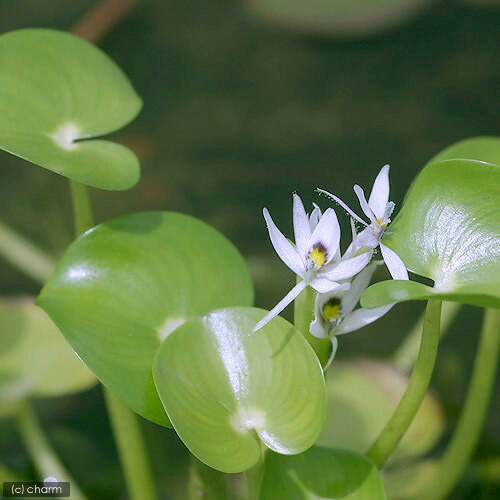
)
(345, 269)
(324, 286)
(318, 329)
(287, 299)
(333, 352)
(301, 227)
(379, 197)
(343, 205)
(283, 247)
(327, 232)
(360, 318)
(364, 204)
(394, 263)
(315, 217)
(358, 285)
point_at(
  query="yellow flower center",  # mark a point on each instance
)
(380, 223)
(318, 255)
(331, 310)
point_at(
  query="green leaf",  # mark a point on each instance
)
(225, 389)
(338, 17)
(485, 149)
(449, 231)
(123, 286)
(362, 395)
(321, 474)
(58, 92)
(35, 359)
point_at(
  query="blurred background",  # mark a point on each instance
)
(246, 102)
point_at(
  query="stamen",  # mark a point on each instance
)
(331, 310)
(318, 255)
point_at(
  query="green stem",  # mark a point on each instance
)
(44, 458)
(125, 425)
(25, 256)
(406, 354)
(303, 315)
(466, 436)
(254, 478)
(82, 208)
(206, 483)
(131, 448)
(407, 408)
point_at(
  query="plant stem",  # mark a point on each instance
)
(82, 208)
(407, 408)
(131, 448)
(124, 422)
(205, 482)
(406, 354)
(45, 459)
(465, 438)
(25, 256)
(303, 315)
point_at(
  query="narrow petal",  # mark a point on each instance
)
(318, 330)
(345, 269)
(360, 318)
(301, 226)
(325, 286)
(327, 232)
(287, 299)
(394, 263)
(283, 247)
(364, 204)
(379, 197)
(358, 285)
(343, 205)
(315, 217)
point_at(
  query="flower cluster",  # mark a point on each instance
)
(339, 280)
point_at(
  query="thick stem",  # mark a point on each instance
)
(303, 315)
(25, 256)
(406, 354)
(131, 448)
(124, 422)
(468, 430)
(44, 458)
(405, 412)
(82, 208)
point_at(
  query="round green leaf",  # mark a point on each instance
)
(485, 149)
(321, 473)
(57, 92)
(125, 285)
(449, 231)
(35, 359)
(362, 395)
(337, 17)
(225, 389)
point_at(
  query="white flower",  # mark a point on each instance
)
(315, 257)
(334, 311)
(378, 209)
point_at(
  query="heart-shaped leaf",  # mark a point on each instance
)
(35, 359)
(337, 17)
(321, 473)
(449, 231)
(362, 395)
(57, 90)
(485, 149)
(123, 286)
(225, 389)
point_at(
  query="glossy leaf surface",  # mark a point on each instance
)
(57, 92)
(337, 17)
(449, 231)
(485, 149)
(35, 359)
(123, 286)
(362, 395)
(225, 389)
(321, 473)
